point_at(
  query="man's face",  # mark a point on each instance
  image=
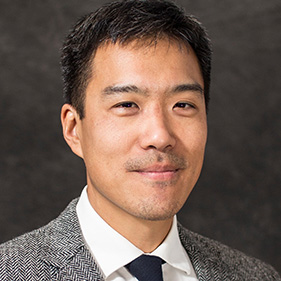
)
(144, 132)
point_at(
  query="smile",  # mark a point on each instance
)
(158, 173)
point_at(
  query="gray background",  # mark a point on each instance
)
(237, 199)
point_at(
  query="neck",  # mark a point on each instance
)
(145, 234)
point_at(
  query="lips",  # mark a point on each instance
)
(158, 167)
(158, 172)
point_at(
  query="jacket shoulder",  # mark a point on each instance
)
(20, 257)
(213, 260)
(26, 257)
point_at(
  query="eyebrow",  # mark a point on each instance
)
(111, 90)
(116, 89)
(193, 87)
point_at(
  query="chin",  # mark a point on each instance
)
(156, 212)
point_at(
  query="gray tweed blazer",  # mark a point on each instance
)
(57, 252)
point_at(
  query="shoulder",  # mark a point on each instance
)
(220, 262)
(25, 257)
(20, 255)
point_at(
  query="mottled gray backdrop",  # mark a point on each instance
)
(237, 199)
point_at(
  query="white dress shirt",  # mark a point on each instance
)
(112, 251)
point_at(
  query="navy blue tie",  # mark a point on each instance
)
(146, 268)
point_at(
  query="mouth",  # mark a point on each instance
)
(158, 173)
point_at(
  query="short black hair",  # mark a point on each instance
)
(122, 22)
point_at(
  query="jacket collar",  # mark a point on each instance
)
(65, 251)
(207, 256)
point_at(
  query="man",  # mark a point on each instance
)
(137, 77)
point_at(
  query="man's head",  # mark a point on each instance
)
(144, 21)
(141, 128)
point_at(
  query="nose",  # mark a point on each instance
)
(157, 132)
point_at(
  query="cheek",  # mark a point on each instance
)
(194, 138)
(108, 138)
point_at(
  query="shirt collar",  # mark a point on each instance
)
(112, 251)
(172, 251)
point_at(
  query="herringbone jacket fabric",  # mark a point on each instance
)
(57, 252)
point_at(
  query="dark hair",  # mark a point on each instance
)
(122, 22)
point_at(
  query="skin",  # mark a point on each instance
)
(143, 136)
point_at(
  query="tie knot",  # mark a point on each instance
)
(146, 268)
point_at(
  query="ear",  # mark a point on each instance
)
(70, 121)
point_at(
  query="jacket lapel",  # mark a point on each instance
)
(80, 267)
(65, 252)
(199, 249)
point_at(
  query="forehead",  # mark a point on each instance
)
(155, 65)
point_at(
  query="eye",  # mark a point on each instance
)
(126, 105)
(184, 109)
(183, 105)
(125, 108)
